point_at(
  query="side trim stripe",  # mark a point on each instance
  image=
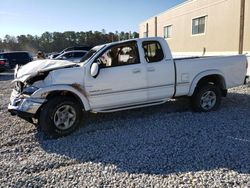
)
(144, 88)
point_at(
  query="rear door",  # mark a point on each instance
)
(160, 71)
(122, 78)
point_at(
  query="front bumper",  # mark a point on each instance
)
(25, 107)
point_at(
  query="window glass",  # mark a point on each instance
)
(168, 31)
(23, 56)
(12, 56)
(19, 56)
(198, 25)
(118, 55)
(91, 53)
(69, 55)
(153, 51)
(79, 54)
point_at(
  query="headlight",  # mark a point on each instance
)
(29, 90)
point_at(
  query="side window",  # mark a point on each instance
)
(12, 56)
(79, 54)
(153, 51)
(19, 56)
(68, 55)
(24, 56)
(122, 54)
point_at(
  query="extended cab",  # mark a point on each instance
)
(119, 76)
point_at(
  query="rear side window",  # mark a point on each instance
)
(79, 54)
(19, 56)
(11, 56)
(69, 55)
(153, 51)
(26, 55)
(23, 56)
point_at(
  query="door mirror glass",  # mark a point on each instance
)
(94, 70)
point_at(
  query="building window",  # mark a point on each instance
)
(198, 25)
(168, 31)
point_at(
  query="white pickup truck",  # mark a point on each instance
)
(119, 76)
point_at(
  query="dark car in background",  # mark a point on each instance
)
(16, 58)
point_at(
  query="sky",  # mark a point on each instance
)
(37, 16)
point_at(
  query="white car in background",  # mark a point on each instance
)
(74, 56)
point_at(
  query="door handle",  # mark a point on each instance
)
(151, 69)
(135, 71)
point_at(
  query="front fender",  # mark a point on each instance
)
(75, 89)
(201, 75)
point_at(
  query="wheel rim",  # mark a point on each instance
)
(208, 100)
(64, 117)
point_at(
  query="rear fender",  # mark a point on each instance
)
(201, 75)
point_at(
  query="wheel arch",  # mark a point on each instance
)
(213, 76)
(74, 91)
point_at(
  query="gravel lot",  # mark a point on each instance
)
(162, 146)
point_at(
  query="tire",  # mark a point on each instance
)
(60, 116)
(206, 98)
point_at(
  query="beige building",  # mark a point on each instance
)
(198, 27)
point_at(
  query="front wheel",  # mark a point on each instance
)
(206, 98)
(60, 116)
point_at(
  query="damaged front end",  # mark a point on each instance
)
(23, 106)
(22, 103)
(28, 80)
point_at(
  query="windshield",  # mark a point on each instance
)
(91, 53)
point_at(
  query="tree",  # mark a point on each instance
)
(1, 44)
(10, 42)
(57, 41)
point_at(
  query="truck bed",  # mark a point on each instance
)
(187, 69)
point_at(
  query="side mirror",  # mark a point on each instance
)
(94, 70)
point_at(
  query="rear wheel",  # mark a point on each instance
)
(206, 98)
(60, 116)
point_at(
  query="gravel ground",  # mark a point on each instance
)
(162, 146)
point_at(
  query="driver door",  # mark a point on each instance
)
(121, 81)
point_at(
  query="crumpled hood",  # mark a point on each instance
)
(35, 67)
